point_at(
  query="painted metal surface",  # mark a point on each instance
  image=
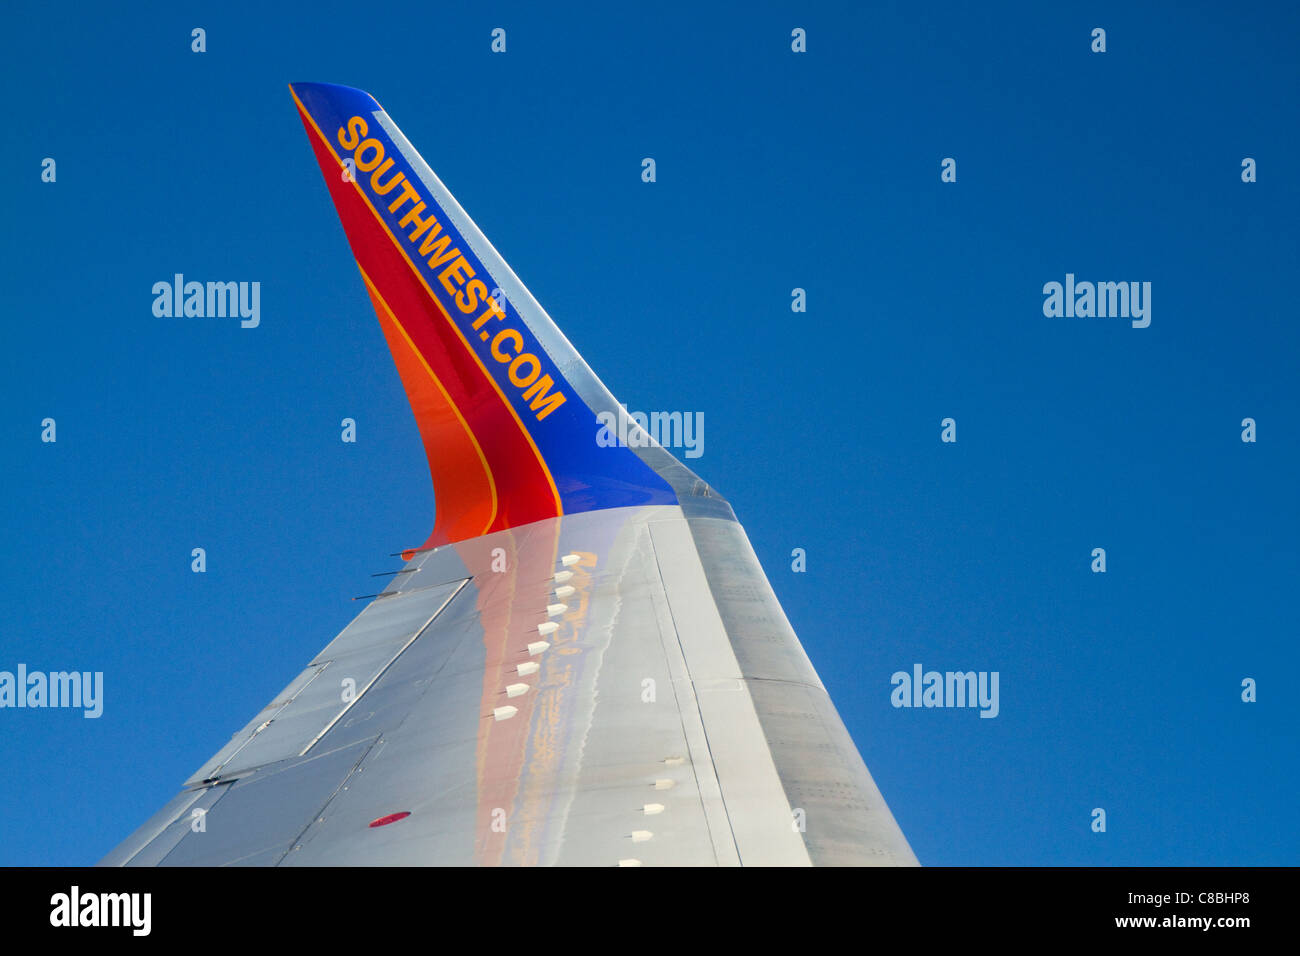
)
(585, 665)
(641, 698)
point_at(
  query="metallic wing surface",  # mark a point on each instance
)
(583, 665)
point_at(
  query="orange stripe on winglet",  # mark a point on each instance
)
(465, 494)
(501, 517)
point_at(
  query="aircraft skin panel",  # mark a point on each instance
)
(639, 737)
(584, 665)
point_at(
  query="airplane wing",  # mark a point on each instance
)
(584, 664)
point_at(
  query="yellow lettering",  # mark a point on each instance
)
(408, 192)
(385, 188)
(492, 309)
(421, 224)
(467, 298)
(540, 397)
(455, 270)
(356, 129)
(438, 247)
(367, 165)
(519, 381)
(501, 337)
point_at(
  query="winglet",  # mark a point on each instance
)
(506, 408)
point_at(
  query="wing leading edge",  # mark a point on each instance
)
(585, 663)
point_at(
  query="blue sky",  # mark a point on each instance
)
(775, 170)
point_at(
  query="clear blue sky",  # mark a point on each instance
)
(775, 170)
